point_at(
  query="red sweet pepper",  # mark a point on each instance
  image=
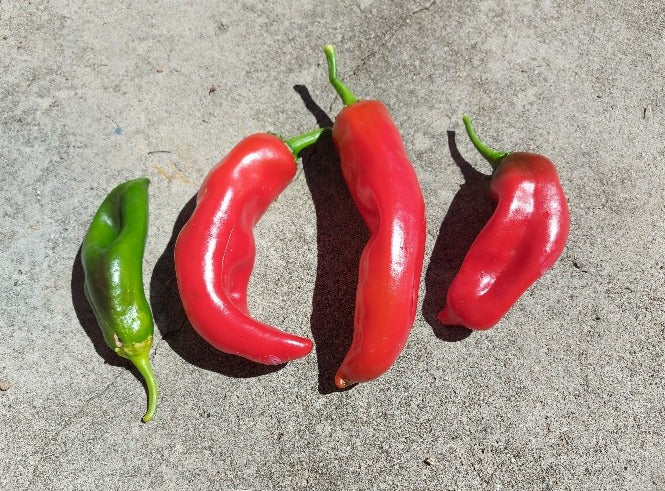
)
(385, 189)
(521, 241)
(214, 252)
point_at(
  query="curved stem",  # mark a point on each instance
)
(300, 142)
(494, 157)
(142, 364)
(344, 92)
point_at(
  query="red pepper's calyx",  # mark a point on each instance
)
(494, 157)
(344, 92)
(298, 143)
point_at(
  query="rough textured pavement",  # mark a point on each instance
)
(565, 393)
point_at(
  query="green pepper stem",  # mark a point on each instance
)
(344, 92)
(494, 157)
(300, 142)
(142, 364)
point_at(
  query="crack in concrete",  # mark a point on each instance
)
(67, 424)
(390, 33)
(424, 9)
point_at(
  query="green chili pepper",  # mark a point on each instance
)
(112, 258)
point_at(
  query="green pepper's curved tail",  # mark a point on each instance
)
(138, 353)
(142, 364)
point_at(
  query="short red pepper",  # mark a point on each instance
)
(522, 240)
(214, 252)
(385, 189)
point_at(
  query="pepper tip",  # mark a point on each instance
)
(341, 382)
(445, 317)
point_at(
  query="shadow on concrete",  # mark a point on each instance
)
(341, 235)
(469, 210)
(173, 324)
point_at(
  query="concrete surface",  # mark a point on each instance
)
(565, 393)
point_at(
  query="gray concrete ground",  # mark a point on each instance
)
(565, 393)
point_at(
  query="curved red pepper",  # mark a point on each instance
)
(214, 252)
(385, 189)
(522, 240)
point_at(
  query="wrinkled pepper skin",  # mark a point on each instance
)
(112, 259)
(386, 192)
(524, 237)
(214, 252)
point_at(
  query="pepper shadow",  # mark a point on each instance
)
(468, 213)
(341, 235)
(170, 318)
(88, 321)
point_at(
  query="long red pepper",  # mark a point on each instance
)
(385, 189)
(522, 240)
(214, 252)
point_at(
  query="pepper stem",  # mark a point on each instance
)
(300, 142)
(344, 92)
(494, 157)
(142, 364)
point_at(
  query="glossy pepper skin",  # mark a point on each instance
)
(112, 259)
(524, 237)
(214, 252)
(386, 191)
